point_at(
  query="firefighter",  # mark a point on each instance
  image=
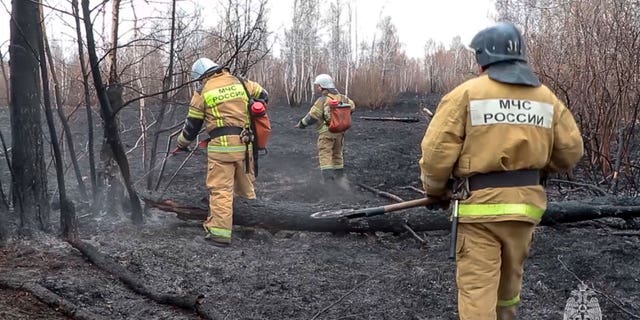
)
(330, 144)
(499, 133)
(220, 105)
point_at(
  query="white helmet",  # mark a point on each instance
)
(201, 67)
(324, 81)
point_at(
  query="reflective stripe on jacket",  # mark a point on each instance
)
(222, 102)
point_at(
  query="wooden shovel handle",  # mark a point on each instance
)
(375, 211)
(409, 204)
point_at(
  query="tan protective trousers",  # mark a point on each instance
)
(490, 264)
(224, 178)
(330, 150)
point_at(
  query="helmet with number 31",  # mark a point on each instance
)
(500, 51)
(500, 42)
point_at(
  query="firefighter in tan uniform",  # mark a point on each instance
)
(330, 145)
(220, 104)
(498, 131)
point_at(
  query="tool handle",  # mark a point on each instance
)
(376, 211)
(409, 204)
(454, 238)
(454, 231)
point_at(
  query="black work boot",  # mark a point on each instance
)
(327, 176)
(341, 179)
(217, 241)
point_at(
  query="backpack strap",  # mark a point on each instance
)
(249, 98)
(252, 128)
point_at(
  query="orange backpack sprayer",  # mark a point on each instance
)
(339, 115)
(261, 125)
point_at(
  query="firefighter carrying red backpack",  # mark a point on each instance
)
(337, 114)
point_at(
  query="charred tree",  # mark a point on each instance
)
(30, 181)
(4, 207)
(190, 301)
(112, 135)
(60, 111)
(48, 297)
(87, 101)
(272, 215)
(112, 195)
(68, 222)
(4, 232)
(244, 35)
(6, 200)
(4, 203)
(4, 77)
(164, 101)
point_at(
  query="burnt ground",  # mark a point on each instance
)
(304, 275)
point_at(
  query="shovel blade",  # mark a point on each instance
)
(334, 214)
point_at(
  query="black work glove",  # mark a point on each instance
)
(441, 202)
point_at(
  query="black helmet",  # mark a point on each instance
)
(500, 50)
(500, 42)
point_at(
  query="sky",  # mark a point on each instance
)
(416, 20)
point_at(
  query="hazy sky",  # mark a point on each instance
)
(416, 20)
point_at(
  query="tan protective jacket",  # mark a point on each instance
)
(485, 126)
(222, 102)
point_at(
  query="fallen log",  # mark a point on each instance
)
(193, 302)
(274, 215)
(48, 297)
(407, 119)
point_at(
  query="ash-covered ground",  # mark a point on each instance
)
(305, 275)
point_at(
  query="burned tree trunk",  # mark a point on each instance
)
(60, 110)
(4, 232)
(4, 209)
(164, 102)
(48, 297)
(282, 216)
(192, 301)
(87, 101)
(110, 126)
(4, 77)
(68, 220)
(30, 181)
(4, 203)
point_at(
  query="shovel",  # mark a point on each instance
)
(373, 211)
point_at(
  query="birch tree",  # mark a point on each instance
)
(301, 51)
(339, 46)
